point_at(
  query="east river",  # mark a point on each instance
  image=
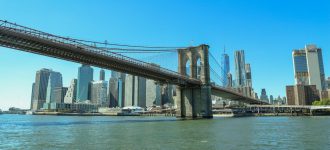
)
(99, 132)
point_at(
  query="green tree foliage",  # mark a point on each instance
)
(322, 102)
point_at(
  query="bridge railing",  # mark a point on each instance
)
(90, 48)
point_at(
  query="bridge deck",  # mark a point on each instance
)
(30, 40)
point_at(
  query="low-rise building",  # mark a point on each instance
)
(302, 94)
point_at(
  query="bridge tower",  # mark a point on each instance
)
(194, 101)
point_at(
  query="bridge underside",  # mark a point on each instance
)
(232, 95)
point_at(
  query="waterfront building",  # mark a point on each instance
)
(153, 93)
(83, 107)
(302, 94)
(308, 67)
(135, 91)
(99, 92)
(40, 88)
(271, 99)
(102, 74)
(117, 89)
(225, 68)
(85, 76)
(70, 96)
(60, 94)
(285, 100)
(263, 95)
(54, 87)
(240, 68)
(168, 93)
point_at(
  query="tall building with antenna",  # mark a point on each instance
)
(225, 67)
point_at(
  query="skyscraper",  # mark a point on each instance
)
(248, 75)
(54, 87)
(135, 91)
(308, 67)
(226, 68)
(71, 94)
(121, 91)
(240, 68)
(32, 95)
(140, 92)
(40, 88)
(256, 96)
(263, 95)
(85, 76)
(300, 67)
(230, 80)
(102, 74)
(315, 67)
(129, 90)
(153, 95)
(99, 92)
(116, 89)
(328, 83)
(271, 99)
(60, 93)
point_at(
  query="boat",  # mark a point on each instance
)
(231, 113)
(223, 113)
(131, 111)
(29, 112)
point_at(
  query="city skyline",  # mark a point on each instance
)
(264, 72)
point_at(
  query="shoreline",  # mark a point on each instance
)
(173, 115)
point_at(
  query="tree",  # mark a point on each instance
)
(322, 102)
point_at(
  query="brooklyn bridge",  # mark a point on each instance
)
(195, 86)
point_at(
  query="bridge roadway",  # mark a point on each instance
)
(30, 40)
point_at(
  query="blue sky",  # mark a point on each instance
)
(266, 30)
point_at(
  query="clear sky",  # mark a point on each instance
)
(266, 30)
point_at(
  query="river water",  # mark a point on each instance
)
(103, 132)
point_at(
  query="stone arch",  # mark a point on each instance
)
(198, 58)
(188, 68)
(198, 68)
